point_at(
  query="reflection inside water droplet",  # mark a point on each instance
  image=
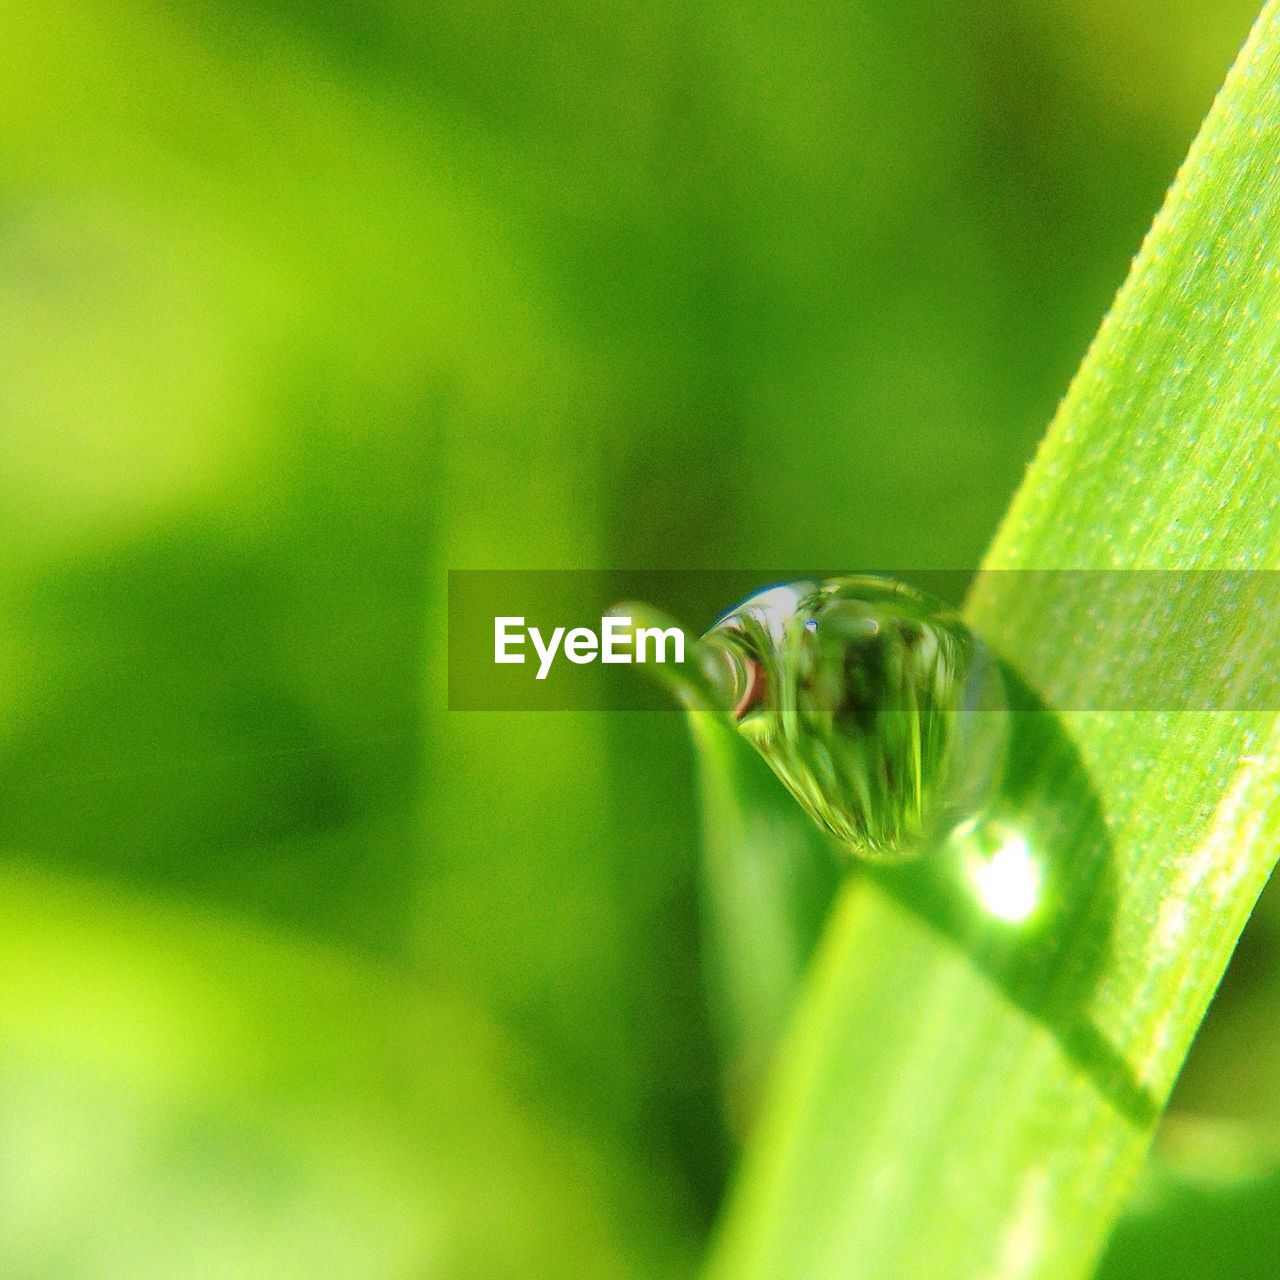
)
(877, 707)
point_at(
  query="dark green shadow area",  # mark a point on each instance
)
(1048, 963)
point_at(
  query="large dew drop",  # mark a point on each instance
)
(876, 706)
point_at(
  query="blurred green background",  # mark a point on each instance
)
(302, 305)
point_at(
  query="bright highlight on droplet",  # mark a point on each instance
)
(1007, 878)
(776, 606)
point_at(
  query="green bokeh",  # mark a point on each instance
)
(303, 305)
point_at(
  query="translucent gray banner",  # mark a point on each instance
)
(1107, 640)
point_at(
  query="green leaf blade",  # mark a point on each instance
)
(939, 1114)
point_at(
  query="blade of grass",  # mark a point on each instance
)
(940, 1113)
(768, 879)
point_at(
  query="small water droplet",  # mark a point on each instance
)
(876, 706)
(1003, 872)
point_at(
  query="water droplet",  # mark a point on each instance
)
(876, 706)
(1004, 874)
